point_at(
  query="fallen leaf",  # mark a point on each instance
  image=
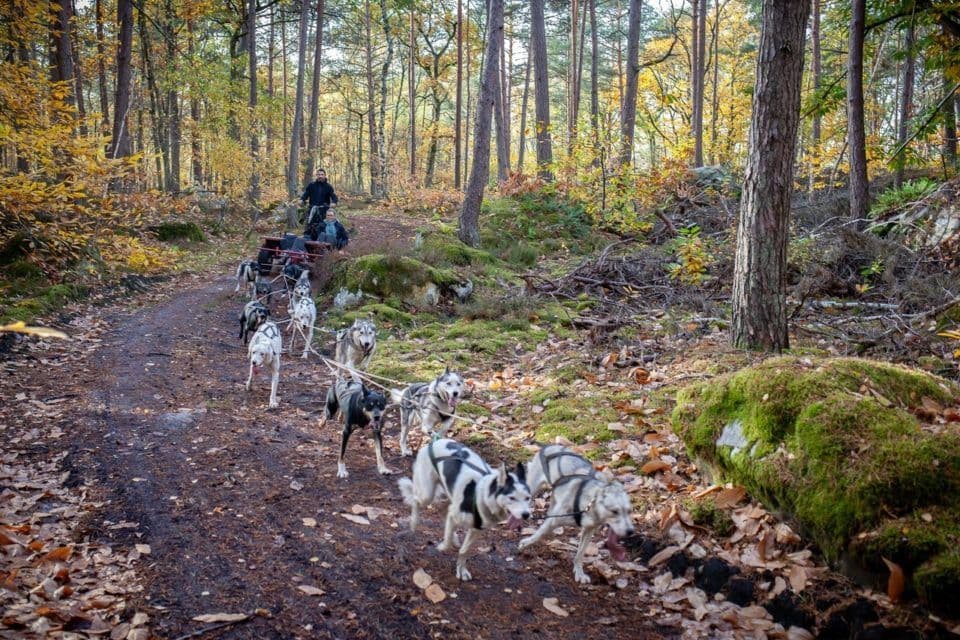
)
(552, 605)
(663, 555)
(296, 485)
(926, 517)
(639, 375)
(609, 359)
(798, 578)
(221, 617)
(654, 466)
(422, 579)
(895, 583)
(311, 591)
(356, 519)
(60, 554)
(140, 619)
(143, 548)
(435, 593)
(309, 522)
(730, 497)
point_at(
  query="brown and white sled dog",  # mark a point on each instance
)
(479, 496)
(303, 315)
(433, 404)
(583, 498)
(247, 272)
(356, 343)
(264, 350)
(359, 407)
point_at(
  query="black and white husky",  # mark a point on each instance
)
(359, 407)
(433, 404)
(583, 498)
(247, 277)
(301, 290)
(253, 315)
(303, 315)
(479, 496)
(356, 343)
(264, 350)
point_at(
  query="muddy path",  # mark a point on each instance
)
(242, 509)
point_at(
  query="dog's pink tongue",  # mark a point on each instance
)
(617, 550)
(514, 523)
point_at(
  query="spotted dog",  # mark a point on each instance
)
(247, 277)
(264, 350)
(433, 404)
(253, 315)
(303, 315)
(479, 496)
(359, 407)
(355, 344)
(583, 498)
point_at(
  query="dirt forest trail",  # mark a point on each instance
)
(241, 506)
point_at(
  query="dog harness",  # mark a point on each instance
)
(545, 462)
(577, 512)
(460, 454)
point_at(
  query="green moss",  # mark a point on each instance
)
(383, 314)
(706, 513)
(581, 418)
(42, 301)
(169, 231)
(441, 248)
(938, 582)
(833, 444)
(390, 275)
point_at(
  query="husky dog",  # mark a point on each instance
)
(356, 343)
(479, 496)
(253, 315)
(247, 277)
(301, 290)
(291, 273)
(264, 349)
(264, 291)
(303, 315)
(359, 406)
(589, 501)
(434, 404)
(552, 462)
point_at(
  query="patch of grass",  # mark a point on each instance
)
(42, 301)
(384, 315)
(706, 513)
(579, 418)
(832, 443)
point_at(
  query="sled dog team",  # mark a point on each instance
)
(479, 496)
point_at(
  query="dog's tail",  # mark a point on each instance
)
(396, 397)
(406, 490)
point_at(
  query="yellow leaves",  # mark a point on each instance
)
(43, 332)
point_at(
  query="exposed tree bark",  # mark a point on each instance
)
(293, 165)
(816, 64)
(120, 142)
(469, 232)
(628, 109)
(102, 68)
(254, 193)
(538, 42)
(466, 128)
(698, 51)
(949, 110)
(856, 134)
(412, 99)
(77, 76)
(759, 281)
(523, 112)
(382, 120)
(153, 93)
(714, 85)
(196, 147)
(61, 54)
(594, 80)
(458, 107)
(572, 74)
(375, 187)
(314, 95)
(271, 53)
(506, 85)
(283, 70)
(578, 81)
(906, 103)
(173, 100)
(499, 109)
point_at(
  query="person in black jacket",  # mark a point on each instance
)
(320, 195)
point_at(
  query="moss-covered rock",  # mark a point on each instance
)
(390, 276)
(170, 231)
(836, 445)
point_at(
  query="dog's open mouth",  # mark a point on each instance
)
(617, 551)
(514, 523)
(256, 370)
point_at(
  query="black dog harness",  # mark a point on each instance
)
(545, 460)
(460, 454)
(577, 512)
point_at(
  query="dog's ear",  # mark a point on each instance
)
(502, 475)
(521, 472)
(446, 368)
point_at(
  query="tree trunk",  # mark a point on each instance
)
(759, 281)
(469, 231)
(283, 71)
(714, 84)
(375, 188)
(628, 109)
(578, 81)
(157, 106)
(949, 125)
(412, 100)
(523, 113)
(61, 69)
(856, 135)
(572, 74)
(173, 101)
(293, 165)
(906, 104)
(196, 153)
(594, 80)
(499, 110)
(697, 76)
(254, 193)
(466, 128)
(314, 96)
(77, 76)
(458, 107)
(102, 68)
(382, 120)
(434, 146)
(816, 69)
(120, 142)
(538, 42)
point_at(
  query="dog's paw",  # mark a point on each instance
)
(406, 453)
(580, 576)
(442, 546)
(523, 544)
(274, 404)
(463, 574)
(385, 471)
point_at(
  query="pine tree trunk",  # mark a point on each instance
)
(628, 109)
(856, 134)
(538, 42)
(314, 96)
(173, 101)
(412, 100)
(816, 69)
(906, 104)
(157, 106)
(469, 231)
(572, 74)
(523, 112)
(271, 52)
(594, 81)
(949, 125)
(254, 193)
(120, 143)
(499, 111)
(466, 128)
(77, 76)
(102, 68)
(196, 148)
(759, 280)
(382, 164)
(715, 82)
(371, 107)
(293, 165)
(458, 107)
(61, 55)
(698, 55)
